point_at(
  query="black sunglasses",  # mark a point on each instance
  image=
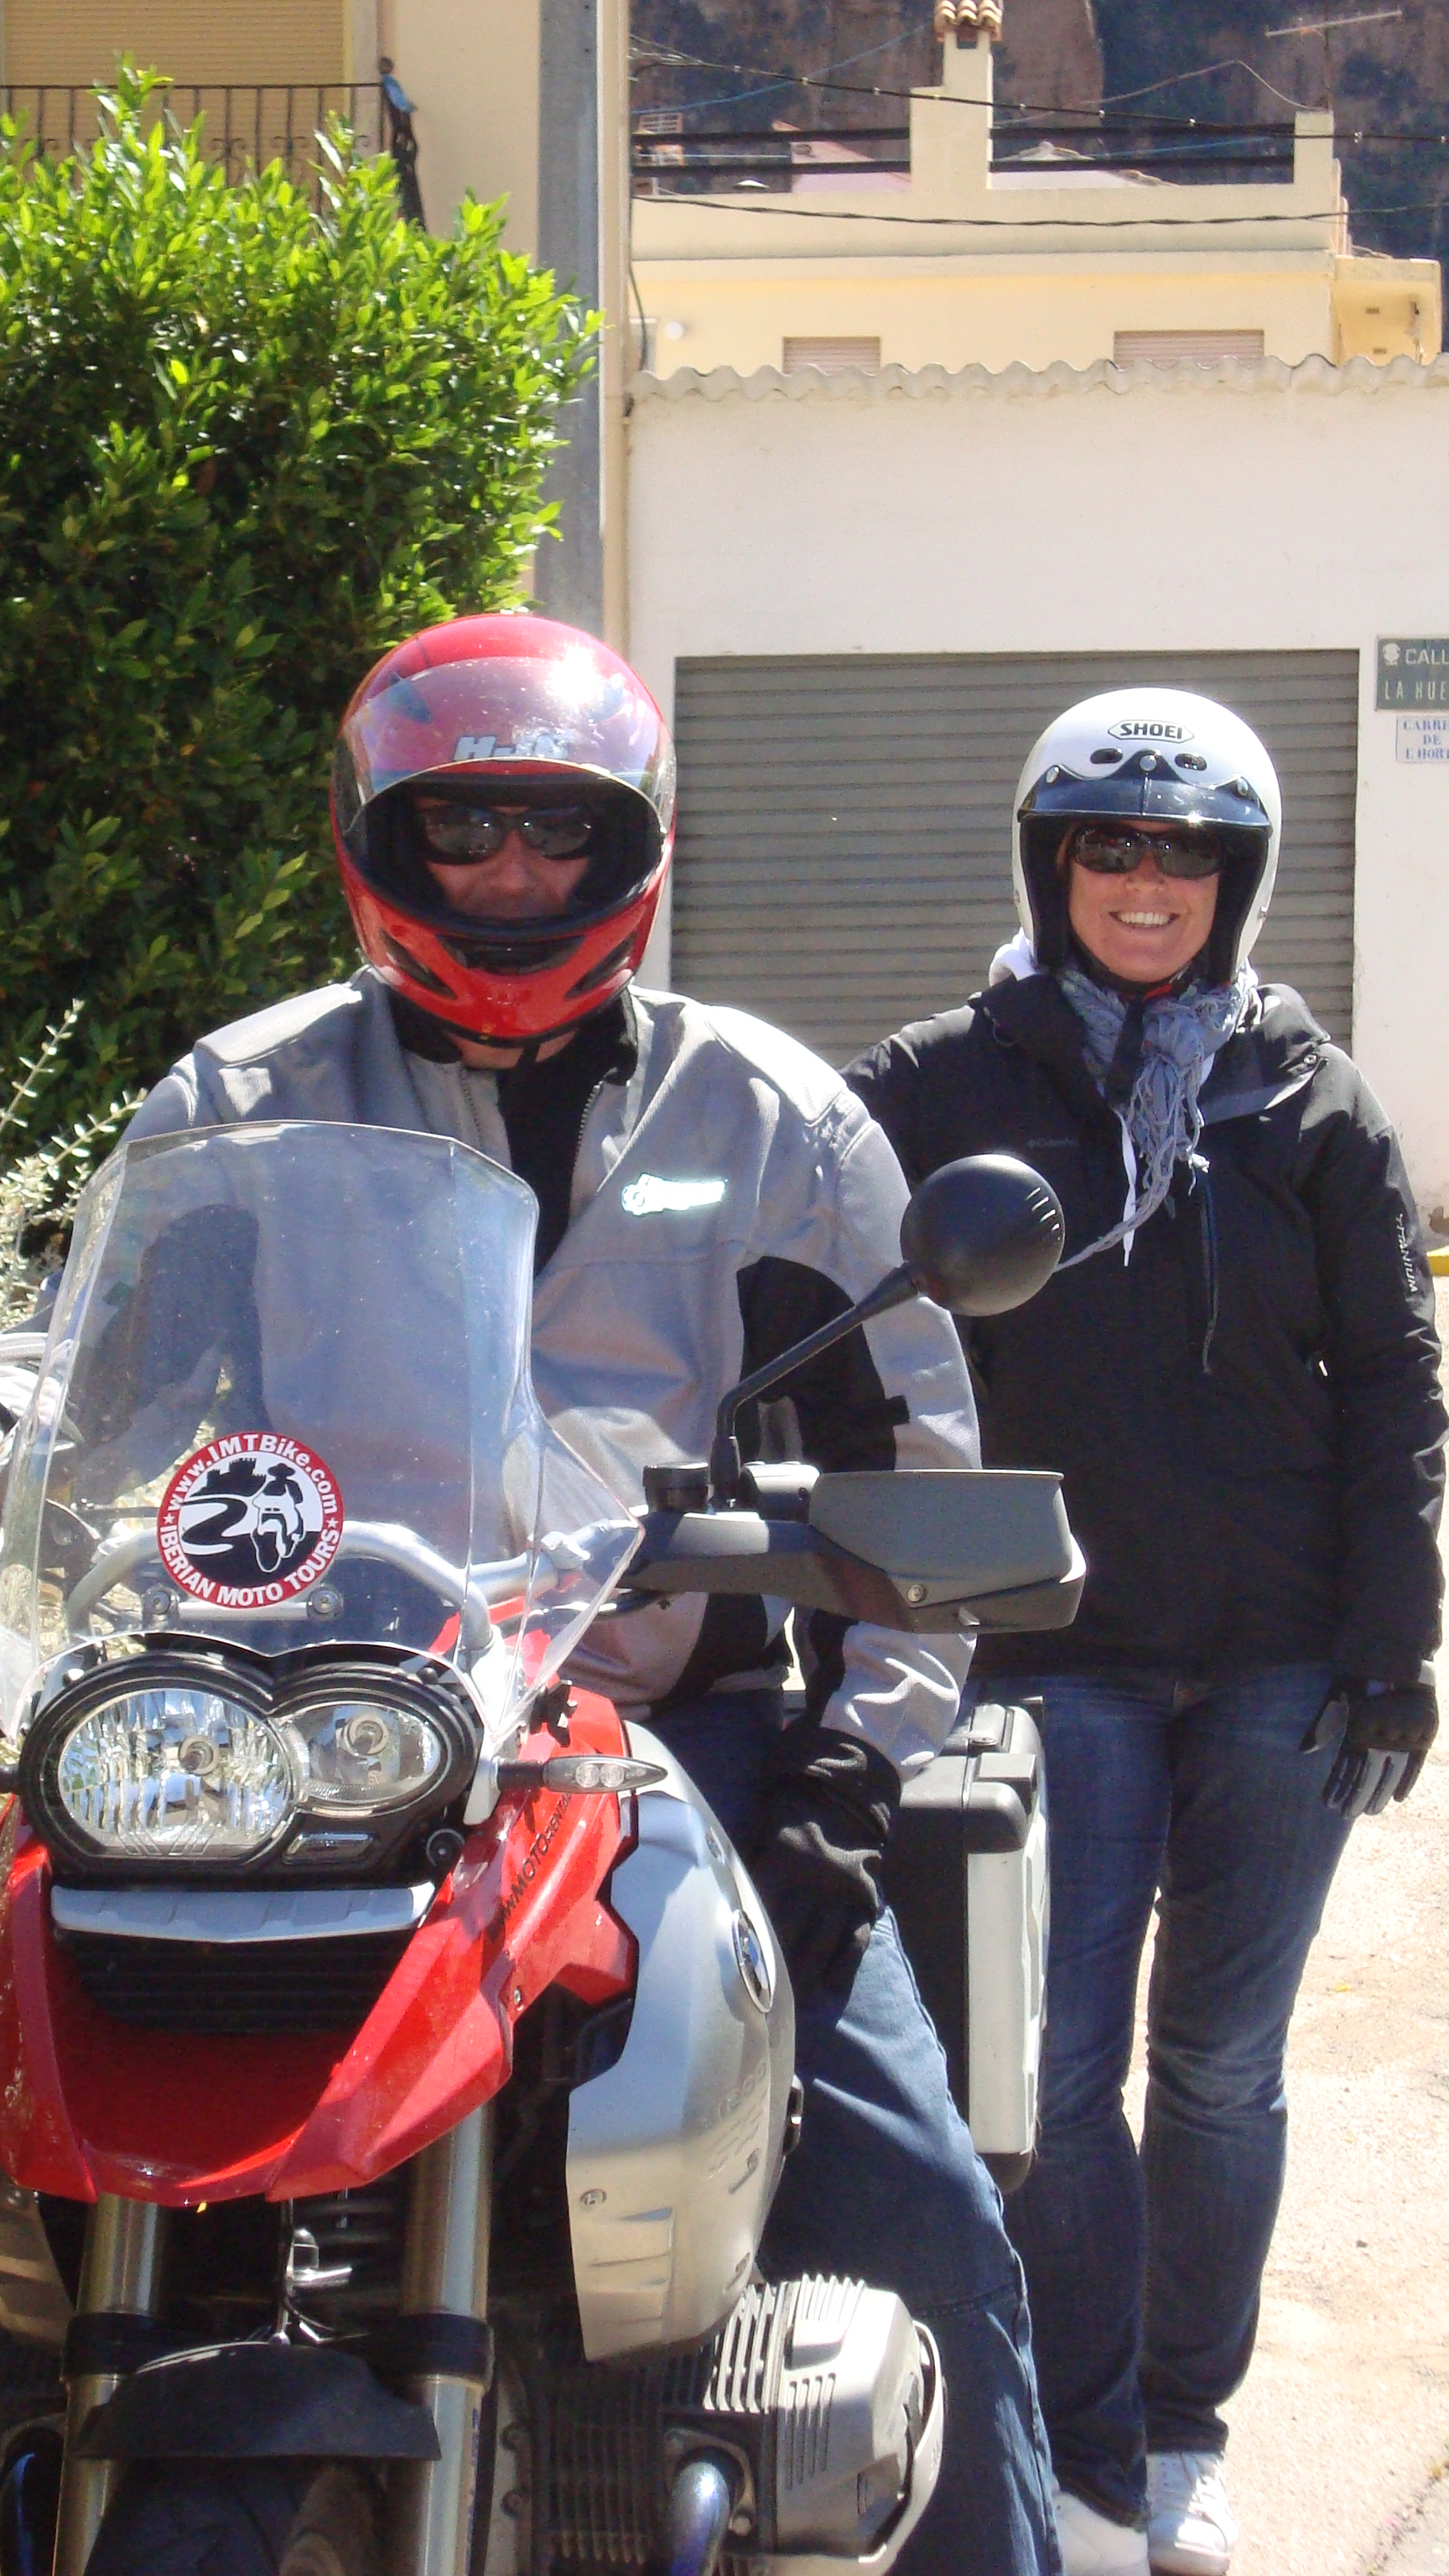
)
(1115, 849)
(463, 835)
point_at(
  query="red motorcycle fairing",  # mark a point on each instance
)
(91, 2104)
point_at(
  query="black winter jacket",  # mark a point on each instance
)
(1247, 1412)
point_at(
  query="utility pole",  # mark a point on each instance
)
(583, 221)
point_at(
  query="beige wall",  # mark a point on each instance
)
(1385, 308)
(1006, 312)
(1075, 515)
(471, 66)
(993, 313)
(194, 40)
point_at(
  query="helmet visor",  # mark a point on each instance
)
(568, 714)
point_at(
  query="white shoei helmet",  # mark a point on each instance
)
(1149, 755)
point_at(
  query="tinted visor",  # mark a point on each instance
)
(507, 718)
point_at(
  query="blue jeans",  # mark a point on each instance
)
(1144, 2271)
(886, 2187)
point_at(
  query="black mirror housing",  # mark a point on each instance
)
(979, 1236)
(983, 1235)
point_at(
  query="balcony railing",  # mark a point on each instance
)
(1190, 154)
(673, 157)
(245, 124)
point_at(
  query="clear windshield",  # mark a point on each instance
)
(286, 1400)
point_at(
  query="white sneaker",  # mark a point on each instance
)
(1092, 2544)
(1190, 2526)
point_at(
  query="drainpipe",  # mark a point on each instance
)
(583, 214)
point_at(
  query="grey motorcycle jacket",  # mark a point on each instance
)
(729, 1193)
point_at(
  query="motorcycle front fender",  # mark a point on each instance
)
(257, 2401)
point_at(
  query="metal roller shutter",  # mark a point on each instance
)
(843, 860)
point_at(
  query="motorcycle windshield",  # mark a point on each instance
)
(286, 1400)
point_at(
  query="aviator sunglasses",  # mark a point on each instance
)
(462, 835)
(1115, 849)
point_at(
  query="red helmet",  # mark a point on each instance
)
(479, 705)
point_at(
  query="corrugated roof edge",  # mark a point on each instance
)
(1233, 375)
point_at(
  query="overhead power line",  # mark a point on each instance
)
(1204, 71)
(1094, 121)
(1044, 223)
(788, 80)
(671, 57)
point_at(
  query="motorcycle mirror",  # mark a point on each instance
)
(982, 1235)
(979, 1236)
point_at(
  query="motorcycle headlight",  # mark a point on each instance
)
(172, 1773)
(361, 1753)
(212, 1762)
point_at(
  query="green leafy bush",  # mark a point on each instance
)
(39, 1191)
(244, 447)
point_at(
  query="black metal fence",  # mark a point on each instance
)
(1189, 152)
(244, 124)
(676, 153)
(672, 157)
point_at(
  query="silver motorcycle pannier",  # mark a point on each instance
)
(966, 1875)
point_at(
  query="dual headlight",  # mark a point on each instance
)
(178, 1766)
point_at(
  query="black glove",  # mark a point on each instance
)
(829, 1802)
(1387, 1728)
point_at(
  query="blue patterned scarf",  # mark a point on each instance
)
(1161, 1121)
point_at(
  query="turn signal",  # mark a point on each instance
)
(587, 1775)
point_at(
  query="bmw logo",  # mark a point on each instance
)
(753, 1962)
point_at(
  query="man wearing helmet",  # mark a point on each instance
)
(503, 801)
(1236, 1369)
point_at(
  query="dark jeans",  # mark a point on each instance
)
(886, 2187)
(1144, 2271)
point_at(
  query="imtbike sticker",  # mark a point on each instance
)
(650, 1196)
(249, 1521)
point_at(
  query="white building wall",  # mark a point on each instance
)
(1249, 508)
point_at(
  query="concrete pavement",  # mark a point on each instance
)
(1422, 2548)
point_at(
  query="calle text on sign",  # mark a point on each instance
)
(1413, 672)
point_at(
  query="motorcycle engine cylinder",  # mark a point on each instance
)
(817, 2388)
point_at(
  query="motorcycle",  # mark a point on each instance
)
(395, 2057)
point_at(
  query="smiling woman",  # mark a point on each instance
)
(1141, 902)
(1235, 1369)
